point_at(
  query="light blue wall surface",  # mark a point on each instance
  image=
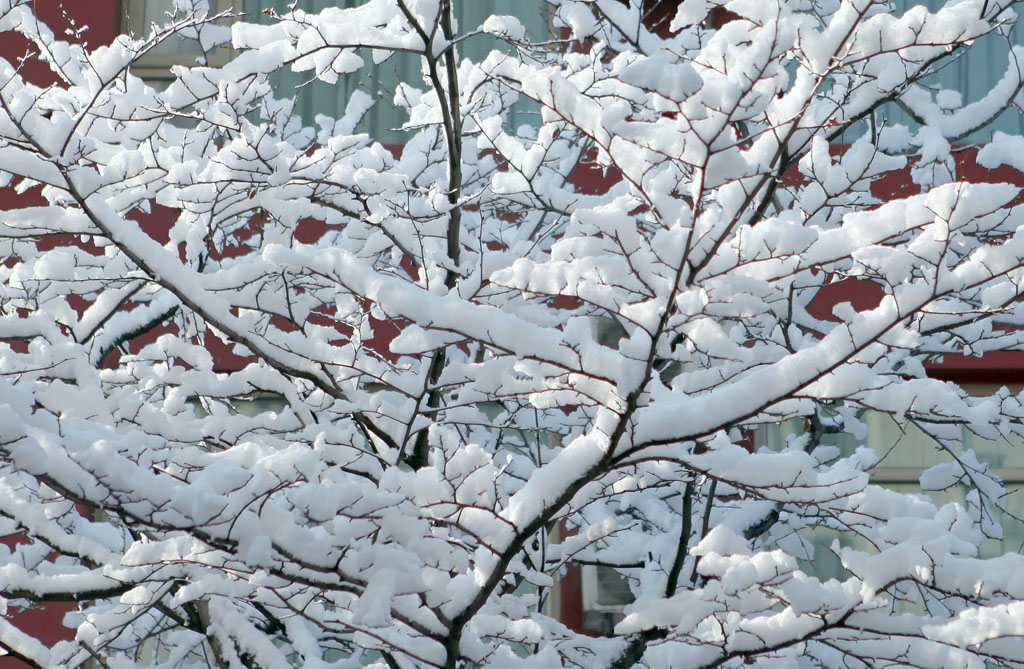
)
(973, 74)
(321, 98)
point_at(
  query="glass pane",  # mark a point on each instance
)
(1004, 453)
(160, 12)
(901, 446)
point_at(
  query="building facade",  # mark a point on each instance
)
(587, 599)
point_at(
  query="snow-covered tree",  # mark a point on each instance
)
(484, 365)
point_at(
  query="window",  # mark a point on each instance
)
(605, 594)
(317, 97)
(905, 452)
(138, 17)
(229, 420)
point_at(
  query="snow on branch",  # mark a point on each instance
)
(636, 293)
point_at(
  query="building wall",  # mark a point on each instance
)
(103, 20)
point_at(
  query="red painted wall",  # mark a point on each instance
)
(102, 18)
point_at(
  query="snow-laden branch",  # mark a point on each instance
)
(275, 394)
